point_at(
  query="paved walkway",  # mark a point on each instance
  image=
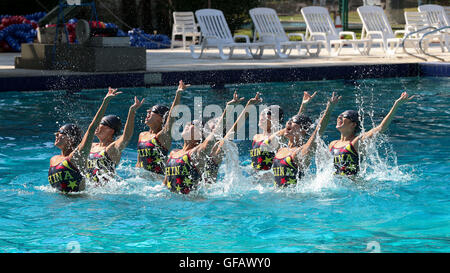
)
(181, 60)
(168, 60)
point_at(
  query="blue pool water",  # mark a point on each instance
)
(400, 204)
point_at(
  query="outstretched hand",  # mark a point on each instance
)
(307, 97)
(182, 86)
(255, 100)
(334, 99)
(137, 104)
(112, 93)
(404, 97)
(235, 99)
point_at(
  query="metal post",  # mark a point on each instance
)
(343, 10)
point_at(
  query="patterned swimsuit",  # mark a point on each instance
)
(181, 175)
(261, 159)
(285, 171)
(99, 164)
(65, 177)
(152, 155)
(346, 160)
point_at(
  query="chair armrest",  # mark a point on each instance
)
(351, 33)
(247, 39)
(319, 34)
(297, 34)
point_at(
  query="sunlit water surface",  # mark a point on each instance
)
(400, 203)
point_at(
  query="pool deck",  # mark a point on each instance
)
(178, 63)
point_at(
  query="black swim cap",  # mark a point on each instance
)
(160, 110)
(302, 120)
(274, 109)
(74, 133)
(353, 116)
(112, 121)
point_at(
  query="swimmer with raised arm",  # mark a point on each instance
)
(154, 144)
(67, 169)
(346, 150)
(290, 162)
(263, 150)
(217, 153)
(106, 154)
(186, 167)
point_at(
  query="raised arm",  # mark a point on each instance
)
(165, 135)
(237, 124)
(273, 139)
(306, 99)
(304, 153)
(80, 154)
(124, 139)
(205, 148)
(217, 150)
(383, 126)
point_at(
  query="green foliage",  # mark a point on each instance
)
(235, 11)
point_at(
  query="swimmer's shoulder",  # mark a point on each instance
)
(332, 143)
(145, 136)
(283, 152)
(56, 159)
(258, 137)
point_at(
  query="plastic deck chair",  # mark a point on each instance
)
(216, 34)
(436, 15)
(415, 21)
(320, 27)
(438, 18)
(376, 27)
(184, 25)
(269, 29)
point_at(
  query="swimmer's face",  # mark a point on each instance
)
(265, 122)
(294, 130)
(104, 131)
(211, 126)
(344, 124)
(153, 118)
(192, 132)
(62, 140)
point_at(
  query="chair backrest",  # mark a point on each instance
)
(318, 20)
(415, 20)
(436, 15)
(268, 25)
(213, 26)
(186, 19)
(447, 11)
(374, 19)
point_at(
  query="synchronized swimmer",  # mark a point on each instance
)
(202, 153)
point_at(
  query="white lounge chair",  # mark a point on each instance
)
(376, 27)
(437, 17)
(216, 34)
(184, 25)
(320, 27)
(417, 24)
(269, 30)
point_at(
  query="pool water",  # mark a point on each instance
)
(399, 204)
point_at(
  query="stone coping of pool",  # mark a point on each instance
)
(167, 67)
